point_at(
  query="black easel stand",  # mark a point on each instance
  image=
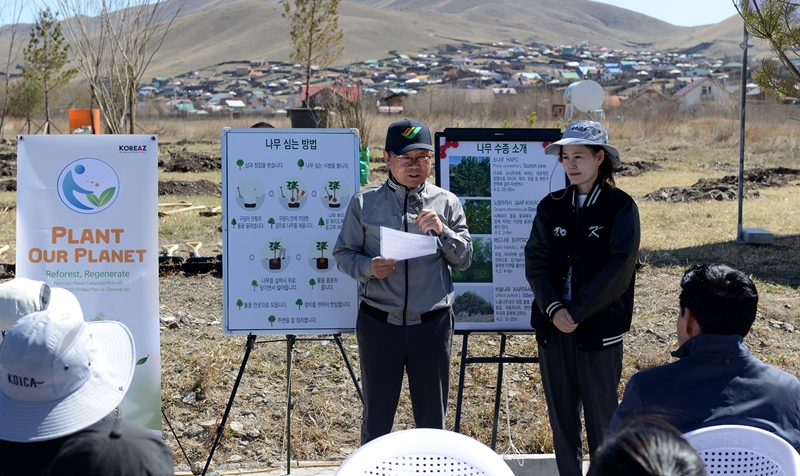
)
(290, 341)
(500, 360)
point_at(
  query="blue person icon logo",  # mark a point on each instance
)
(88, 186)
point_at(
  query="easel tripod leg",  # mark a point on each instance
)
(338, 339)
(460, 392)
(498, 391)
(251, 341)
(290, 340)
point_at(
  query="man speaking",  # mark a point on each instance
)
(405, 321)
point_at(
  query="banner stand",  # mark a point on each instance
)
(500, 360)
(290, 341)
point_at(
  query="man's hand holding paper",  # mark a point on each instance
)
(399, 245)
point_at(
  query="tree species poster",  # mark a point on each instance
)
(500, 175)
(285, 193)
(87, 221)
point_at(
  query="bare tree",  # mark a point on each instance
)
(316, 36)
(112, 44)
(778, 23)
(10, 11)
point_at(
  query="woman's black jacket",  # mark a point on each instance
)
(600, 240)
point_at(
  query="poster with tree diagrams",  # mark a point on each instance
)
(285, 193)
(500, 175)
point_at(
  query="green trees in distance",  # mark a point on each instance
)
(316, 36)
(45, 57)
(471, 177)
(778, 23)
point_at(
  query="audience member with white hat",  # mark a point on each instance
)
(61, 383)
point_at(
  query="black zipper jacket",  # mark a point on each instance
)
(600, 241)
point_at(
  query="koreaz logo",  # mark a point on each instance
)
(127, 149)
(88, 186)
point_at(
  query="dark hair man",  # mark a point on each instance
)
(716, 381)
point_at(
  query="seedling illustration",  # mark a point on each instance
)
(299, 303)
(300, 163)
(254, 283)
(312, 282)
(271, 222)
(275, 261)
(240, 162)
(294, 201)
(239, 303)
(322, 261)
(334, 202)
(271, 319)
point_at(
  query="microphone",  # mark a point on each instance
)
(415, 202)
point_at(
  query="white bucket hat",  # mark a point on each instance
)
(585, 133)
(22, 296)
(59, 374)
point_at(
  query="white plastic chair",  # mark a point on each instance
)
(744, 450)
(424, 451)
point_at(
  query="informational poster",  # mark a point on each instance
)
(500, 175)
(87, 221)
(285, 193)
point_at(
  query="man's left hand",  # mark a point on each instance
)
(428, 220)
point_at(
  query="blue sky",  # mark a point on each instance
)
(677, 12)
(680, 12)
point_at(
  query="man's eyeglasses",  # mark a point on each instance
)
(409, 161)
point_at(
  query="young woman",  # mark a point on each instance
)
(579, 261)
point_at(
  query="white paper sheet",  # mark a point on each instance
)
(400, 245)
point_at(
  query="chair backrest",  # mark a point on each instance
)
(738, 449)
(424, 451)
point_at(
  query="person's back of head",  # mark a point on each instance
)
(722, 299)
(646, 447)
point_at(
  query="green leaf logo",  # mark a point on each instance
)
(107, 195)
(142, 360)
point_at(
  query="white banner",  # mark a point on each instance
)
(87, 221)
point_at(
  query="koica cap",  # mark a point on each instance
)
(59, 374)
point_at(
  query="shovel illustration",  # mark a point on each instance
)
(282, 195)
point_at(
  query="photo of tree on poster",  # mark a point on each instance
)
(479, 216)
(471, 176)
(481, 269)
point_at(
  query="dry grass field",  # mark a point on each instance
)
(199, 363)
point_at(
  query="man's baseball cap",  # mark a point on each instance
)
(22, 296)
(60, 374)
(407, 135)
(585, 133)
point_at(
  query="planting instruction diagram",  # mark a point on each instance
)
(500, 184)
(285, 193)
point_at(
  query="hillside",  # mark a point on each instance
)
(211, 31)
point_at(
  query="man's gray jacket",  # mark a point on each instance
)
(415, 286)
(716, 382)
